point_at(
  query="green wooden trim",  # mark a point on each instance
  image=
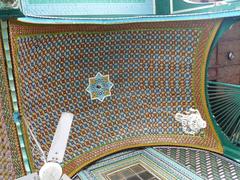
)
(230, 150)
(10, 13)
(224, 84)
(179, 5)
(182, 7)
(162, 7)
(225, 102)
(6, 45)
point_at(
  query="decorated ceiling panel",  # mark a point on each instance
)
(124, 83)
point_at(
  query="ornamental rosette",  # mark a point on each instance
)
(99, 87)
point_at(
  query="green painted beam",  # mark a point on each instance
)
(183, 7)
(162, 7)
(10, 13)
(180, 5)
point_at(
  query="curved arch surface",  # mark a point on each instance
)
(157, 69)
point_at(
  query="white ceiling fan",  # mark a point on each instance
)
(52, 170)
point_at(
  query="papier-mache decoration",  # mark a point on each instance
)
(99, 87)
(191, 121)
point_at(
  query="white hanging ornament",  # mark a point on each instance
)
(191, 121)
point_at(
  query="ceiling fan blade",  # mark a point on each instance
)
(33, 176)
(59, 143)
(36, 141)
(65, 177)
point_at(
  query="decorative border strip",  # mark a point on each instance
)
(154, 161)
(35, 19)
(6, 46)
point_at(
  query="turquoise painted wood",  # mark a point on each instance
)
(118, 9)
(186, 7)
(225, 105)
(231, 149)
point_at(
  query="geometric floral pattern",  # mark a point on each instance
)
(99, 87)
(204, 163)
(157, 70)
